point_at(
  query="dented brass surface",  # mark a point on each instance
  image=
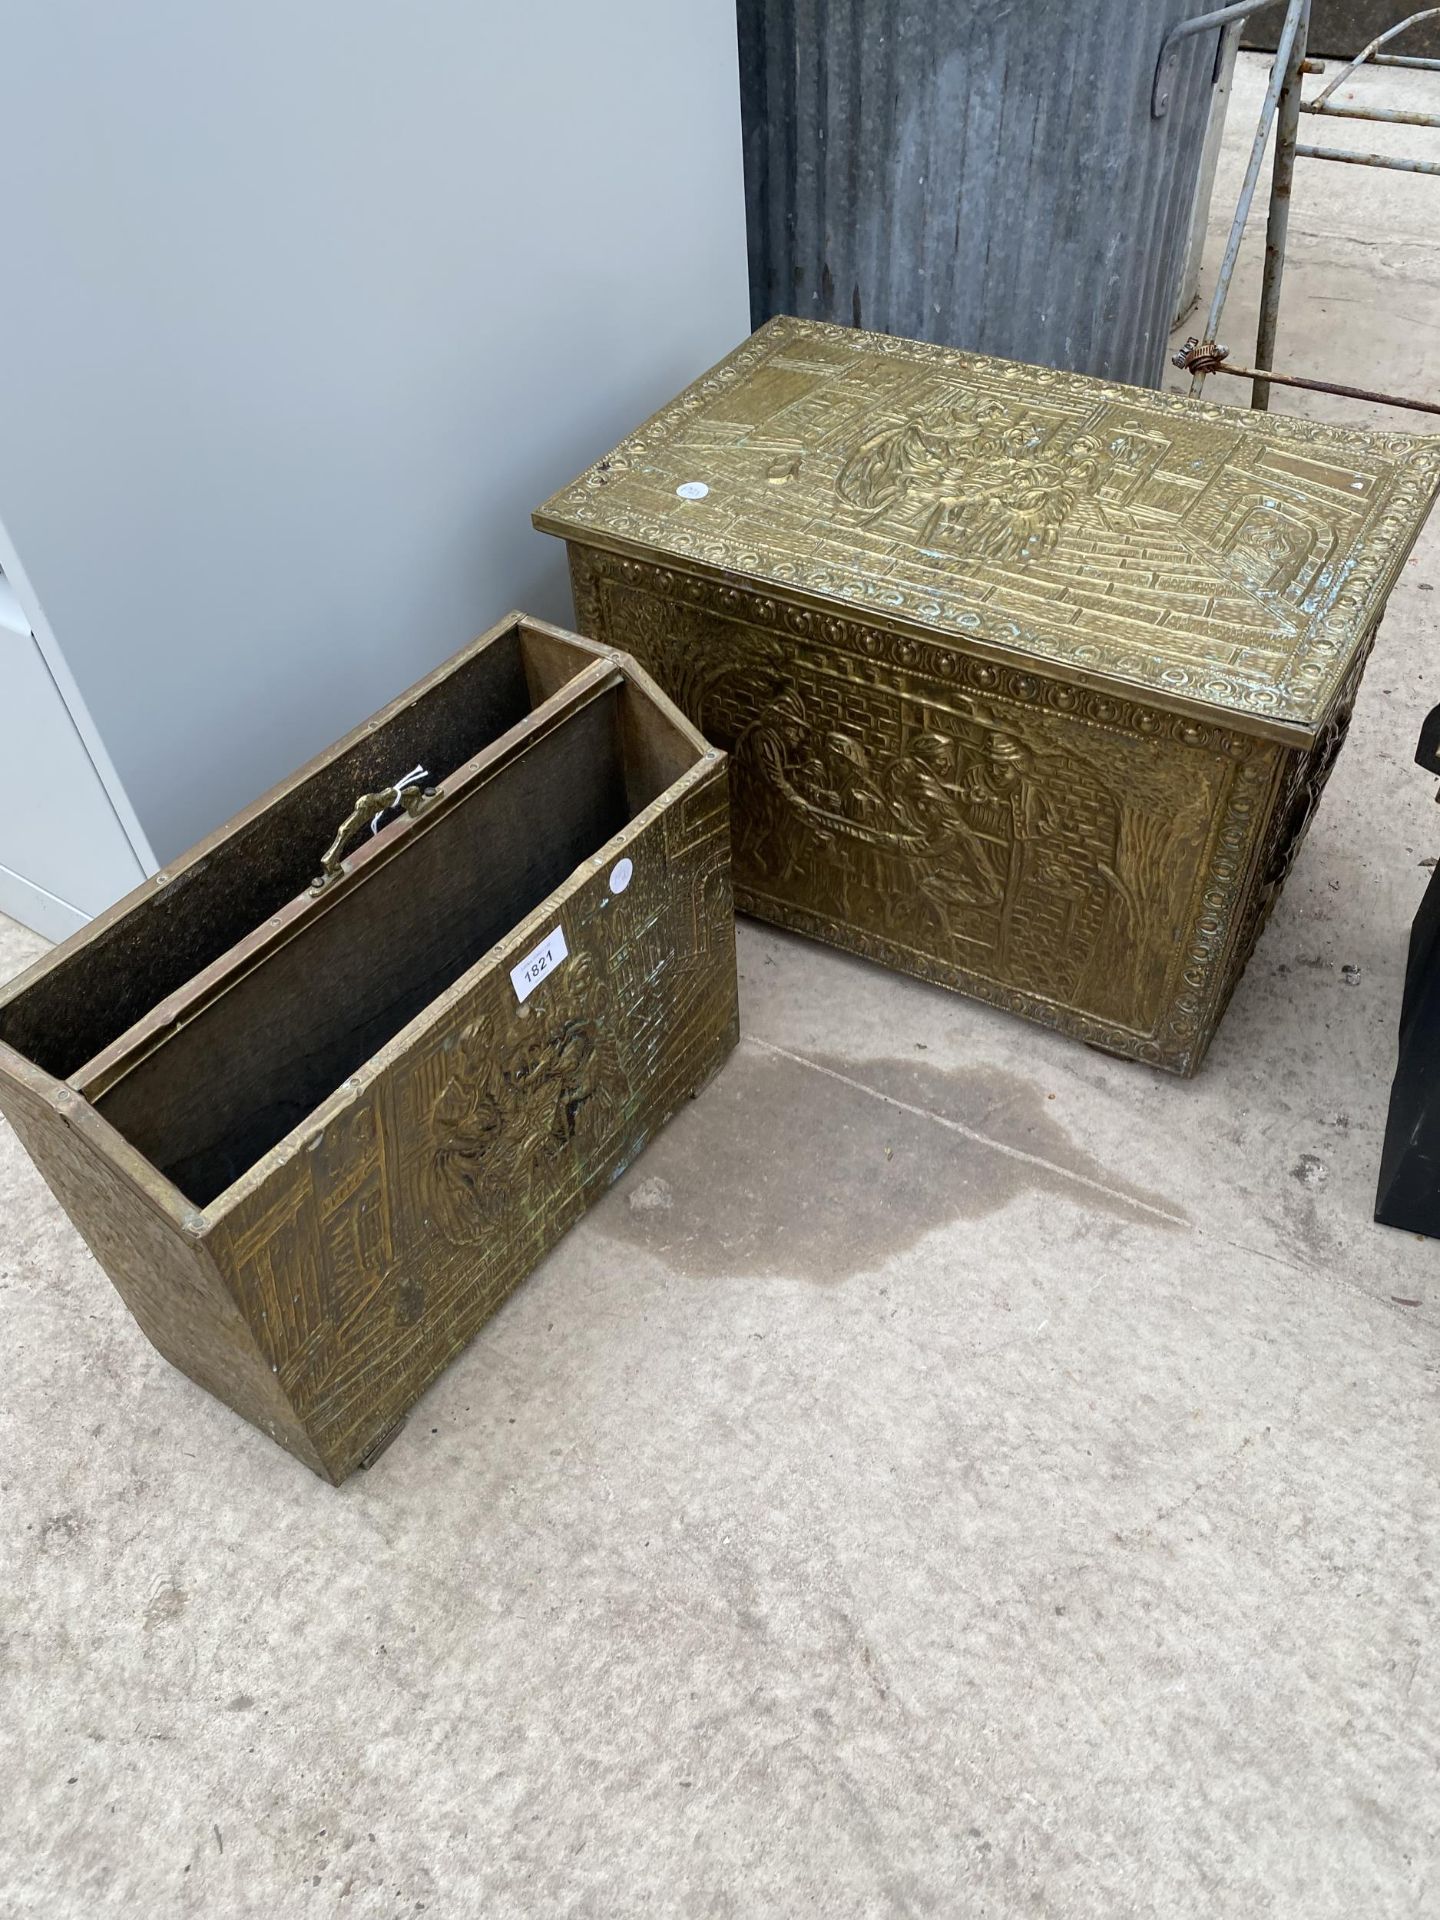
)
(1031, 683)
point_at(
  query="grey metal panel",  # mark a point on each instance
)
(308, 307)
(1189, 295)
(63, 854)
(987, 175)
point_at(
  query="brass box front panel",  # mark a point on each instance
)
(1085, 860)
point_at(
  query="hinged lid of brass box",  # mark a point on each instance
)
(1227, 563)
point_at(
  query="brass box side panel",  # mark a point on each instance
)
(1300, 779)
(1057, 852)
(1220, 561)
(368, 1253)
(161, 1270)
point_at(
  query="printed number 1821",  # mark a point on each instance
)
(527, 974)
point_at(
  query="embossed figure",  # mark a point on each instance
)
(469, 1127)
(903, 467)
(767, 760)
(899, 830)
(856, 793)
(981, 480)
(1016, 507)
(1009, 778)
(853, 808)
(951, 866)
(519, 1112)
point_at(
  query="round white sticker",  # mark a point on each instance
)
(620, 875)
(692, 490)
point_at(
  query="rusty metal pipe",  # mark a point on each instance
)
(1367, 159)
(1394, 116)
(1328, 386)
(1277, 224)
(1293, 15)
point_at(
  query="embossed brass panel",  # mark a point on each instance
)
(1030, 682)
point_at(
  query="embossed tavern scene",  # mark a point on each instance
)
(1030, 683)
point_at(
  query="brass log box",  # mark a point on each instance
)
(321, 1093)
(1030, 683)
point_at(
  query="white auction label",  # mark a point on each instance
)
(545, 958)
(692, 489)
(620, 874)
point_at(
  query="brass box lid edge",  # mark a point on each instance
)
(1217, 560)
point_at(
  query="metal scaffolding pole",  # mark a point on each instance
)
(1283, 105)
(1293, 15)
(1277, 226)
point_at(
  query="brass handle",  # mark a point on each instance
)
(413, 798)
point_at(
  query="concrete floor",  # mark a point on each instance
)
(953, 1473)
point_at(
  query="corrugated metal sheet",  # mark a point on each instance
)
(987, 175)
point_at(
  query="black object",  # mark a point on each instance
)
(1340, 28)
(1409, 1190)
